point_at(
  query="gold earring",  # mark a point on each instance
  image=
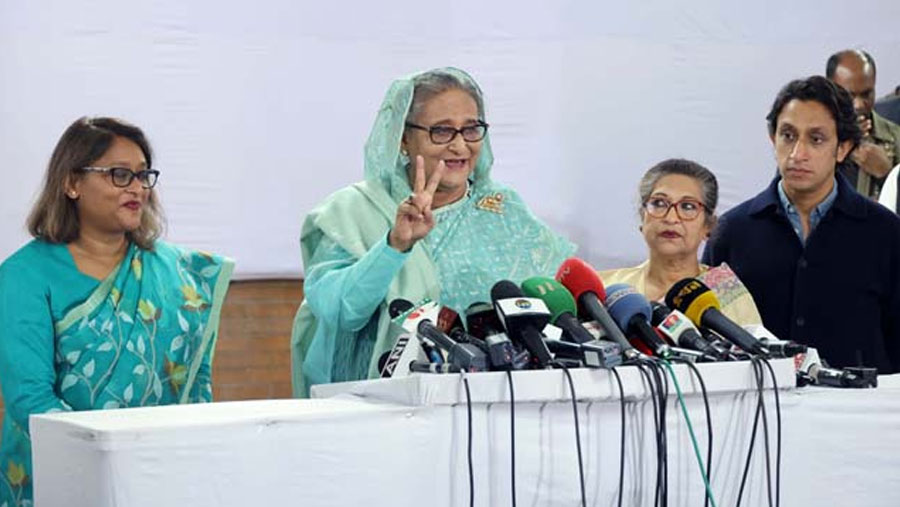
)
(73, 195)
(404, 152)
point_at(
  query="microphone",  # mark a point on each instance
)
(394, 363)
(482, 322)
(776, 347)
(464, 355)
(631, 311)
(700, 304)
(813, 371)
(678, 328)
(421, 321)
(587, 288)
(423, 367)
(659, 313)
(593, 354)
(523, 318)
(448, 320)
(398, 307)
(561, 305)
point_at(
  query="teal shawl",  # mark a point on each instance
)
(487, 236)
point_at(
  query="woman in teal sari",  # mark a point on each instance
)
(427, 222)
(96, 312)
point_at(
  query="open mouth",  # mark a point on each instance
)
(132, 205)
(456, 164)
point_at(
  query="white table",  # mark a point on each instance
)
(403, 442)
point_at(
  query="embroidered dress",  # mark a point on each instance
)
(143, 336)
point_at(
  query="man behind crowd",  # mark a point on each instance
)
(879, 150)
(822, 261)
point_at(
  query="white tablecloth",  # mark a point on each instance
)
(840, 446)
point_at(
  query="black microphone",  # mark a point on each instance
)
(423, 367)
(482, 322)
(593, 354)
(464, 355)
(700, 304)
(523, 318)
(783, 348)
(659, 313)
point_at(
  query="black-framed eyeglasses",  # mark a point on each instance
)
(123, 176)
(443, 134)
(686, 209)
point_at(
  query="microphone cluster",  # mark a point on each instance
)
(573, 320)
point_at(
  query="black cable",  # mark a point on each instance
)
(622, 443)
(749, 455)
(512, 436)
(759, 409)
(665, 433)
(778, 452)
(641, 365)
(761, 383)
(709, 428)
(565, 370)
(662, 391)
(471, 470)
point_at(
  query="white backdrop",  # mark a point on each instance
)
(258, 110)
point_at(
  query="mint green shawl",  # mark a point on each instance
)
(470, 248)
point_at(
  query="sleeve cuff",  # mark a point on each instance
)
(389, 253)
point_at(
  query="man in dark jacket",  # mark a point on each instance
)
(822, 261)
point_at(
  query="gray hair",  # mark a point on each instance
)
(434, 82)
(709, 187)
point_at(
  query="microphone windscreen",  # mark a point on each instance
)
(579, 277)
(623, 303)
(557, 298)
(691, 297)
(504, 289)
(398, 307)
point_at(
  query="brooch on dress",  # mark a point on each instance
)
(492, 203)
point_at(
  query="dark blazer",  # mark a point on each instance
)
(839, 293)
(889, 108)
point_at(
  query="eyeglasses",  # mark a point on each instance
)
(686, 209)
(441, 134)
(123, 176)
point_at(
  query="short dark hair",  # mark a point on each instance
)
(835, 60)
(836, 99)
(54, 217)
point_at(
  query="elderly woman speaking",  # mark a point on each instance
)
(678, 205)
(427, 222)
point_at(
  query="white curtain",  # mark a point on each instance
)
(259, 110)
